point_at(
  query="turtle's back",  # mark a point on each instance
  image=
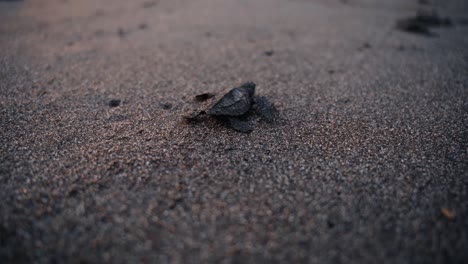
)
(235, 102)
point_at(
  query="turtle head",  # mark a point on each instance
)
(249, 87)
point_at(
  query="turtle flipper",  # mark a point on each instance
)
(265, 108)
(203, 97)
(193, 114)
(240, 125)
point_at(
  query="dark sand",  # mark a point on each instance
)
(367, 163)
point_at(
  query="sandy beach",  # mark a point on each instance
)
(366, 162)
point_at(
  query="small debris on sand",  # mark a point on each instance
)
(412, 25)
(365, 45)
(422, 22)
(149, 4)
(143, 26)
(449, 214)
(166, 105)
(114, 102)
(432, 19)
(268, 53)
(121, 32)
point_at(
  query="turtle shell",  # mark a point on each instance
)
(234, 102)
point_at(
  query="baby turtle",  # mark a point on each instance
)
(233, 106)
